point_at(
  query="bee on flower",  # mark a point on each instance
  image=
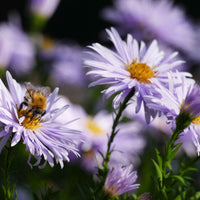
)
(34, 100)
(29, 114)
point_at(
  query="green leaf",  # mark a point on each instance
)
(158, 170)
(159, 158)
(179, 178)
(188, 178)
(164, 194)
(178, 197)
(181, 196)
(196, 196)
(4, 189)
(190, 169)
(173, 153)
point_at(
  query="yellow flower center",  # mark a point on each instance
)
(47, 43)
(30, 121)
(196, 121)
(141, 72)
(111, 189)
(89, 154)
(93, 127)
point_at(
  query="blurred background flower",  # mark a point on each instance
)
(44, 8)
(44, 43)
(17, 52)
(63, 64)
(160, 19)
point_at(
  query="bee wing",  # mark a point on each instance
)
(45, 91)
(29, 86)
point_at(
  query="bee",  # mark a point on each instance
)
(35, 100)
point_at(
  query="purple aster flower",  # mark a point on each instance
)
(16, 49)
(159, 126)
(130, 66)
(127, 146)
(44, 8)
(64, 65)
(178, 100)
(173, 95)
(67, 65)
(44, 135)
(148, 19)
(120, 180)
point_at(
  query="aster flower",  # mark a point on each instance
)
(177, 102)
(44, 135)
(159, 126)
(44, 8)
(127, 146)
(173, 96)
(167, 23)
(132, 66)
(66, 65)
(16, 49)
(120, 180)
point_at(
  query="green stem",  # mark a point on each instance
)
(6, 174)
(170, 150)
(115, 123)
(102, 172)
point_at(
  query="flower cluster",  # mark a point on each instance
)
(167, 23)
(159, 86)
(139, 70)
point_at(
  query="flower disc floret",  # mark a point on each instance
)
(30, 121)
(191, 103)
(94, 127)
(141, 72)
(196, 121)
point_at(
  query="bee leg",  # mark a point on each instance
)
(28, 112)
(43, 113)
(21, 105)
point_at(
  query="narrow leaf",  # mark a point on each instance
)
(179, 178)
(159, 158)
(158, 170)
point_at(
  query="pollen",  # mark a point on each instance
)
(89, 154)
(141, 71)
(111, 190)
(30, 121)
(196, 121)
(47, 44)
(93, 127)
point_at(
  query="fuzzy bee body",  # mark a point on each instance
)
(35, 100)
